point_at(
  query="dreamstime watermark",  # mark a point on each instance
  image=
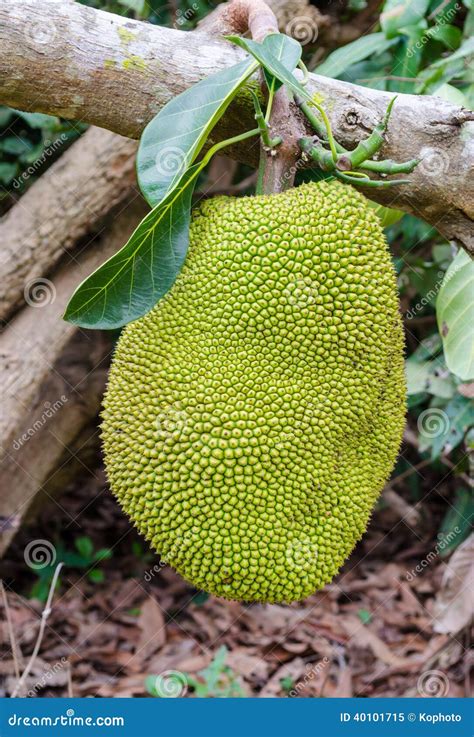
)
(69, 719)
(49, 150)
(309, 675)
(433, 422)
(427, 298)
(181, 543)
(292, 170)
(170, 161)
(443, 279)
(40, 33)
(302, 28)
(185, 16)
(433, 684)
(301, 554)
(443, 542)
(49, 411)
(443, 20)
(171, 684)
(433, 161)
(171, 422)
(39, 554)
(47, 676)
(39, 292)
(301, 292)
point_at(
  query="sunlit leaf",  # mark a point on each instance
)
(399, 14)
(172, 140)
(131, 282)
(286, 50)
(455, 315)
(342, 58)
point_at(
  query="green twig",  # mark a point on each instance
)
(371, 183)
(262, 124)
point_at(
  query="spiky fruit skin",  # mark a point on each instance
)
(253, 416)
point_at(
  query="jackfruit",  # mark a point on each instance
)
(253, 416)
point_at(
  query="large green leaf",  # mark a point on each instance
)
(346, 56)
(387, 215)
(407, 59)
(442, 430)
(172, 139)
(399, 14)
(275, 67)
(444, 69)
(455, 314)
(286, 50)
(130, 283)
(466, 49)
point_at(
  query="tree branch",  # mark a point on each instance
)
(67, 59)
(53, 376)
(94, 177)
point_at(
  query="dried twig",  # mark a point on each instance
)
(11, 632)
(39, 639)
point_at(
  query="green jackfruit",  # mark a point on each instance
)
(253, 416)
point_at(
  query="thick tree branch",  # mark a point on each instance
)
(53, 376)
(69, 202)
(67, 59)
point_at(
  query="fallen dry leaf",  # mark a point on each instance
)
(362, 636)
(454, 603)
(153, 632)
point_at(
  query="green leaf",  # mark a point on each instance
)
(150, 685)
(387, 215)
(84, 546)
(271, 64)
(428, 376)
(138, 6)
(6, 114)
(96, 576)
(172, 139)
(452, 94)
(365, 616)
(446, 34)
(444, 69)
(442, 430)
(39, 120)
(428, 347)
(131, 282)
(8, 172)
(407, 60)
(455, 315)
(416, 375)
(103, 554)
(286, 50)
(399, 14)
(342, 58)
(466, 49)
(15, 146)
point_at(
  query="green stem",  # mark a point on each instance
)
(374, 184)
(228, 142)
(387, 166)
(304, 69)
(262, 124)
(271, 95)
(373, 143)
(259, 189)
(323, 130)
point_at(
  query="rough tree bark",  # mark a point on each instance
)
(70, 201)
(52, 375)
(70, 60)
